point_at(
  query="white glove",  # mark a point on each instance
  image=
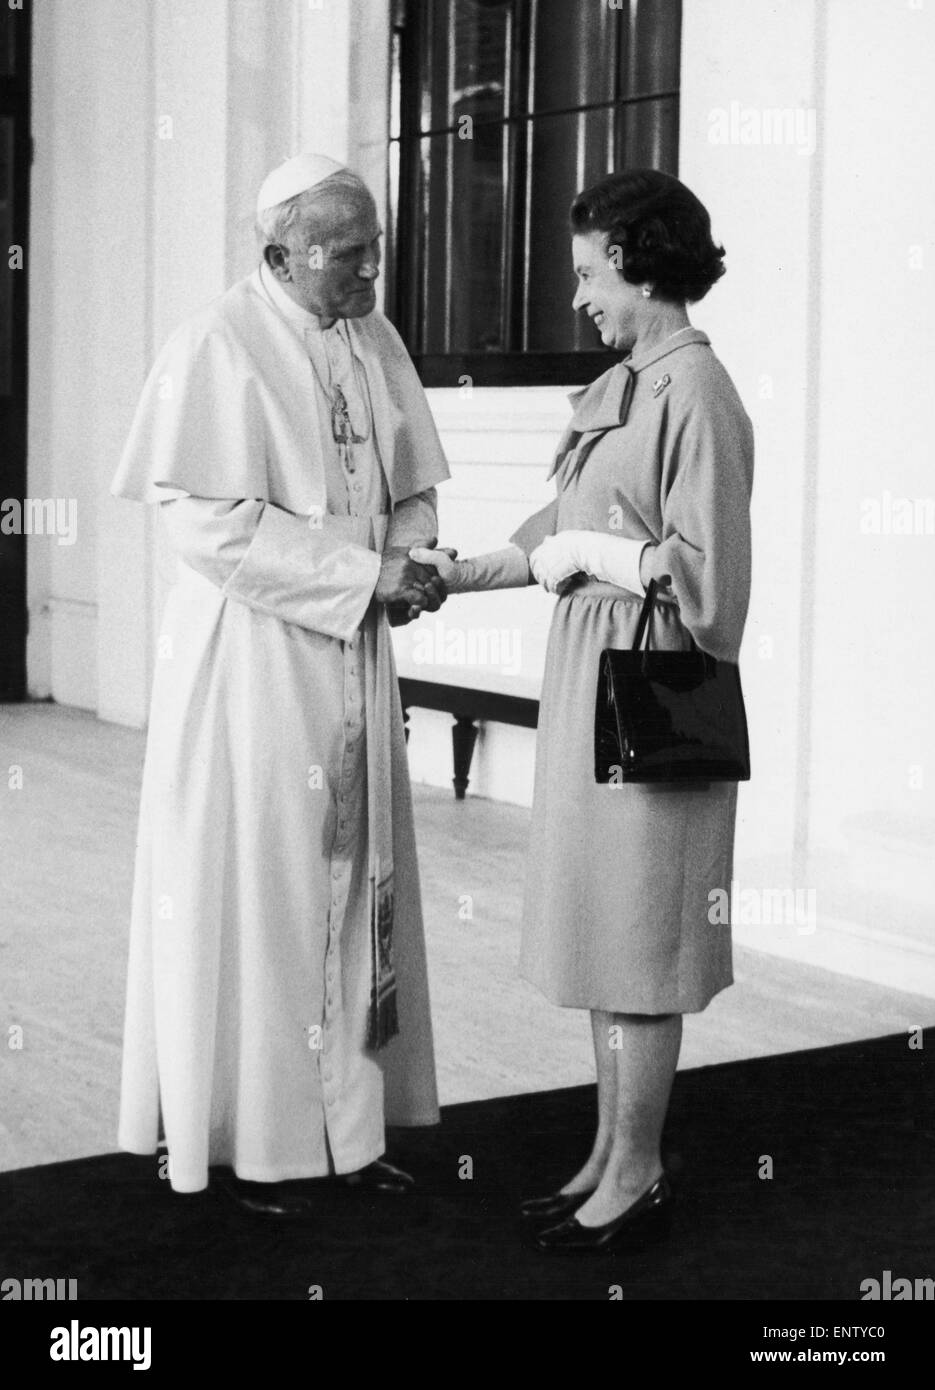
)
(614, 559)
(442, 560)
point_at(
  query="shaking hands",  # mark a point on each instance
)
(408, 585)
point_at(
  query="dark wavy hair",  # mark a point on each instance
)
(663, 232)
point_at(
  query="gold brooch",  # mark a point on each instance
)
(661, 383)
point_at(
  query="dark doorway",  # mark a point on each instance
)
(15, 159)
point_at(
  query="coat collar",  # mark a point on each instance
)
(681, 339)
(604, 404)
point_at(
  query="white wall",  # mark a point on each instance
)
(827, 329)
(499, 443)
(755, 54)
(871, 807)
(86, 314)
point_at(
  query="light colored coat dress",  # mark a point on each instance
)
(250, 952)
(617, 898)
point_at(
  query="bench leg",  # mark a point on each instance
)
(463, 738)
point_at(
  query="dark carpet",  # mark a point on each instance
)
(849, 1130)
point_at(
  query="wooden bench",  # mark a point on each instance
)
(466, 707)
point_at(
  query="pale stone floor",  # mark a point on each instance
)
(66, 852)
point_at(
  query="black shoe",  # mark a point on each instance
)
(266, 1199)
(555, 1207)
(378, 1176)
(648, 1219)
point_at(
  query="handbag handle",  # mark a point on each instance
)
(644, 626)
(645, 622)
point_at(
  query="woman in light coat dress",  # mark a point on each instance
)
(653, 479)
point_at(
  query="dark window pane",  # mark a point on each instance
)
(566, 154)
(648, 135)
(559, 92)
(573, 54)
(465, 254)
(6, 240)
(650, 47)
(8, 21)
(470, 46)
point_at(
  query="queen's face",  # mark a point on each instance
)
(616, 306)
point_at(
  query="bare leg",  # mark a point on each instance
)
(606, 1062)
(645, 1052)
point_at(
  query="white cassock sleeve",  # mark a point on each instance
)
(414, 522)
(275, 562)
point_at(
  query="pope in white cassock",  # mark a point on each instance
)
(277, 1009)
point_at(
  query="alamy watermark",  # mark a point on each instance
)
(441, 645)
(40, 516)
(793, 126)
(889, 1289)
(887, 515)
(77, 1343)
(38, 1290)
(764, 907)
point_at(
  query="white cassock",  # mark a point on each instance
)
(276, 756)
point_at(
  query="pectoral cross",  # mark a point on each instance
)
(341, 427)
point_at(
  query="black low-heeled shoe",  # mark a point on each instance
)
(647, 1220)
(555, 1207)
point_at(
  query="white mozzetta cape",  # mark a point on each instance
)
(228, 410)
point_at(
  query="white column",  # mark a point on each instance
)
(88, 344)
(321, 73)
(872, 754)
(824, 321)
(342, 85)
(741, 59)
(203, 117)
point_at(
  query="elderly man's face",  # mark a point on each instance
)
(332, 263)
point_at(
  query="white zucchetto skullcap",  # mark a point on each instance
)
(296, 175)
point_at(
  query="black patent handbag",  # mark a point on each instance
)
(668, 716)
